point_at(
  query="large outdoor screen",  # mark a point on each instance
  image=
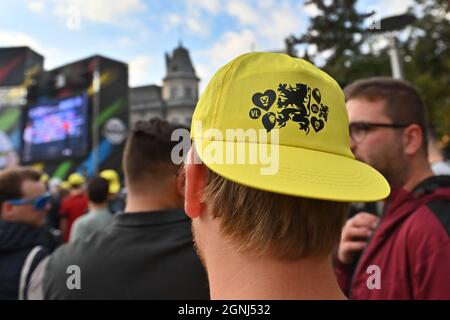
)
(56, 129)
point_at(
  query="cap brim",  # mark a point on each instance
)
(297, 172)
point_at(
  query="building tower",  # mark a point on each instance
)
(180, 87)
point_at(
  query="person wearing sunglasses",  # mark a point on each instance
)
(405, 253)
(39, 204)
(24, 239)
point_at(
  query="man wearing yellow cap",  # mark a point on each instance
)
(269, 179)
(116, 201)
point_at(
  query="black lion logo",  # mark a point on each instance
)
(297, 103)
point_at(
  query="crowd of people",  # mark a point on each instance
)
(358, 208)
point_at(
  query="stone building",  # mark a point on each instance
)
(176, 99)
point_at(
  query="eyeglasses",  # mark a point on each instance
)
(358, 130)
(39, 203)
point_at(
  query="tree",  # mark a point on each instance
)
(427, 61)
(340, 31)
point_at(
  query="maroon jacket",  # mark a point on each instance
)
(411, 247)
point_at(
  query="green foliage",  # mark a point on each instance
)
(341, 31)
(428, 64)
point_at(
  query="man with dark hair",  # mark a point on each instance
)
(99, 215)
(406, 253)
(24, 241)
(147, 251)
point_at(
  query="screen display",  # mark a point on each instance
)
(56, 129)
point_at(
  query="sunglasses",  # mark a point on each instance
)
(39, 203)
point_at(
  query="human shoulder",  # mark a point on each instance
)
(428, 227)
(79, 226)
(433, 213)
(85, 219)
(79, 250)
(68, 201)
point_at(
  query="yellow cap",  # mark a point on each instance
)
(44, 177)
(113, 180)
(279, 124)
(76, 179)
(65, 185)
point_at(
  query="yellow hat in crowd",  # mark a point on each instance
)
(270, 106)
(65, 185)
(44, 177)
(76, 179)
(113, 180)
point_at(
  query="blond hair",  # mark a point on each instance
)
(263, 222)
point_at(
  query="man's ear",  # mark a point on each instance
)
(195, 182)
(412, 139)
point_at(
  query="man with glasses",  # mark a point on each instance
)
(24, 241)
(406, 253)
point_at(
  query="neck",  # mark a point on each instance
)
(97, 206)
(75, 192)
(419, 171)
(150, 201)
(237, 276)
